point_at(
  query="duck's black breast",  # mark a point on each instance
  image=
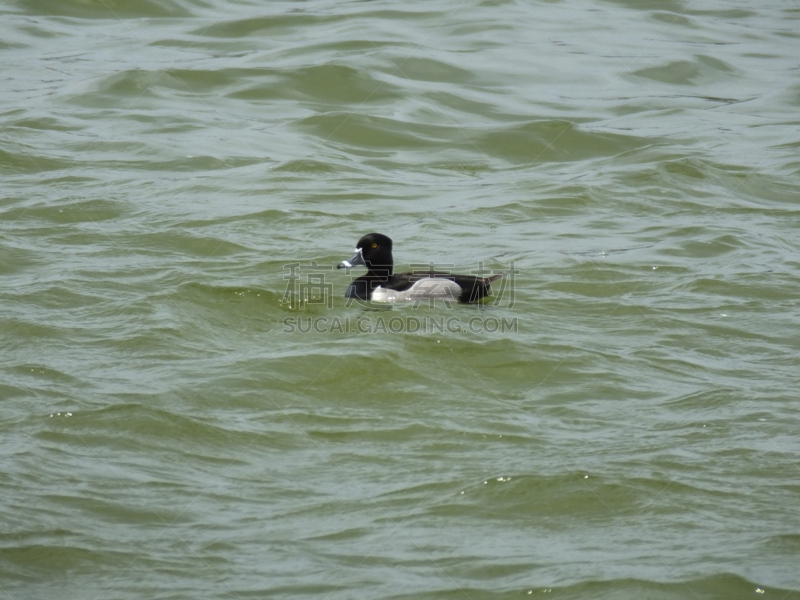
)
(358, 289)
(362, 287)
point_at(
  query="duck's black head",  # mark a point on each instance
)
(374, 251)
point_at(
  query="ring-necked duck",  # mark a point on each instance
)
(381, 284)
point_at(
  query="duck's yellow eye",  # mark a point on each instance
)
(374, 245)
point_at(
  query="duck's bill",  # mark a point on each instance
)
(353, 261)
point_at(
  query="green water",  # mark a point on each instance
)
(619, 421)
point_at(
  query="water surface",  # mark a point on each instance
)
(176, 175)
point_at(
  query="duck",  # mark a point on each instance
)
(382, 284)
